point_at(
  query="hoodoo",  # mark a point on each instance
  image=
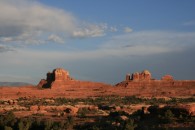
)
(143, 76)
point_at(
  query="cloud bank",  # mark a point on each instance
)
(157, 51)
(144, 43)
(4, 48)
(29, 22)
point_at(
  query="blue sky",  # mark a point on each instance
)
(96, 40)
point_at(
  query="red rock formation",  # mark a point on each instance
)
(42, 83)
(143, 84)
(143, 76)
(56, 78)
(61, 74)
(167, 78)
(135, 76)
(146, 75)
(139, 84)
(128, 77)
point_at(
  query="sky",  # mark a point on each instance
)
(96, 40)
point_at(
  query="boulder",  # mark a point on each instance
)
(60, 108)
(71, 110)
(34, 108)
(41, 108)
(11, 102)
(93, 107)
(124, 118)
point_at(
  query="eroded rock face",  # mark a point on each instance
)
(58, 76)
(128, 77)
(42, 83)
(143, 76)
(143, 83)
(61, 74)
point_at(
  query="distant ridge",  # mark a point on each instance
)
(14, 84)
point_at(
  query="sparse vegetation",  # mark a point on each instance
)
(34, 123)
(129, 125)
(111, 112)
(108, 100)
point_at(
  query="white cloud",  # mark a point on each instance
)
(4, 48)
(148, 43)
(128, 30)
(55, 38)
(113, 29)
(90, 30)
(134, 44)
(29, 22)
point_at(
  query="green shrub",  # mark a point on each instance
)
(48, 124)
(24, 124)
(130, 125)
(70, 119)
(7, 120)
(8, 128)
(168, 117)
(82, 112)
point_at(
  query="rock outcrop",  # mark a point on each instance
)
(145, 79)
(143, 84)
(58, 77)
(167, 78)
(144, 75)
(139, 84)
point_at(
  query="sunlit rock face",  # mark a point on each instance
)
(143, 76)
(139, 82)
(58, 77)
(61, 74)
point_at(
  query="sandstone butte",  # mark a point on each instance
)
(59, 83)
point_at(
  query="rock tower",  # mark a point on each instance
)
(58, 77)
(145, 75)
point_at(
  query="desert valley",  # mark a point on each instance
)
(61, 102)
(113, 65)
